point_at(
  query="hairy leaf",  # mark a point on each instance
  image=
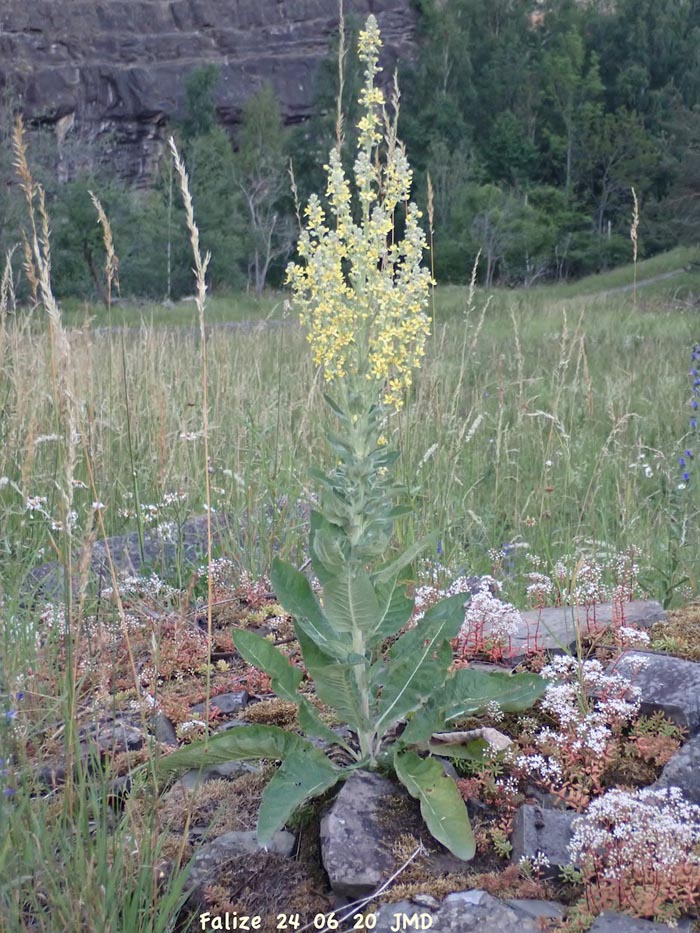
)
(235, 745)
(470, 692)
(334, 682)
(441, 804)
(350, 601)
(304, 773)
(284, 676)
(419, 662)
(295, 593)
(391, 570)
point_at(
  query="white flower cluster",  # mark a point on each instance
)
(627, 833)
(540, 586)
(221, 569)
(632, 637)
(145, 586)
(587, 704)
(491, 616)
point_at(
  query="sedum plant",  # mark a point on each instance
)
(362, 294)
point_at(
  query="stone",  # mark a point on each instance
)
(558, 629)
(540, 831)
(611, 922)
(683, 770)
(46, 582)
(461, 912)
(164, 730)
(223, 771)
(110, 75)
(209, 858)
(227, 703)
(352, 849)
(668, 684)
(533, 908)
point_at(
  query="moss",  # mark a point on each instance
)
(679, 633)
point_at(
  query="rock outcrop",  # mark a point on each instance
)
(109, 74)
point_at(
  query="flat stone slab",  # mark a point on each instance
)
(354, 854)
(537, 831)
(669, 685)
(683, 770)
(461, 912)
(611, 922)
(558, 629)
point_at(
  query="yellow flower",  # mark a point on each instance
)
(362, 293)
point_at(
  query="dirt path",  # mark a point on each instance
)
(641, 284)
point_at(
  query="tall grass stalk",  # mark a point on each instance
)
(200, 270)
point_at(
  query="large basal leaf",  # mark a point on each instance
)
(470, 691)
(284, 676)
(235, 745)
(295, 593)
(304, 774)
(419, 662)
(350, 602)
(427, 720)
(311, 723)
(334, 682)
(441, 804)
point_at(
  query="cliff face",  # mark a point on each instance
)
(113, 71)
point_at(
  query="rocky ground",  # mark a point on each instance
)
(362, 855)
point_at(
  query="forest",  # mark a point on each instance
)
(528, 126)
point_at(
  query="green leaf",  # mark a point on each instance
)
(424, 722)
(235, 745)
(395, 609)
(350, 601)
(334, 682)
(475, 750)
(336, 408)
(284, 676)
(470, 691)
(441, 804)
(329, 547)
(392, 570)
(295, 593)
(304, 773)
(419, 662)
(311, 724)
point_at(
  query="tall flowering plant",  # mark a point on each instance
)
(362, 293)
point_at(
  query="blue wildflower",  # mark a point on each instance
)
(686, 476)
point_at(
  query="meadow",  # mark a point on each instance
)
(547, 418)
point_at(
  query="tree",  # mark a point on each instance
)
(261, 172)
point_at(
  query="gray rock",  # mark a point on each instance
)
(209, 858)
(683, 770)
(668, 684)
(225, 770)
(558, 629)
(461, 912)
(546, 832)
(46, 582)
(611, 922)
(226, 702)
(164, 730)
(352, 849)
(532, 908)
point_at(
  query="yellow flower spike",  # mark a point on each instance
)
(361, 293)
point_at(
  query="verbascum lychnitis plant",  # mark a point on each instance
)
(362, 294)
